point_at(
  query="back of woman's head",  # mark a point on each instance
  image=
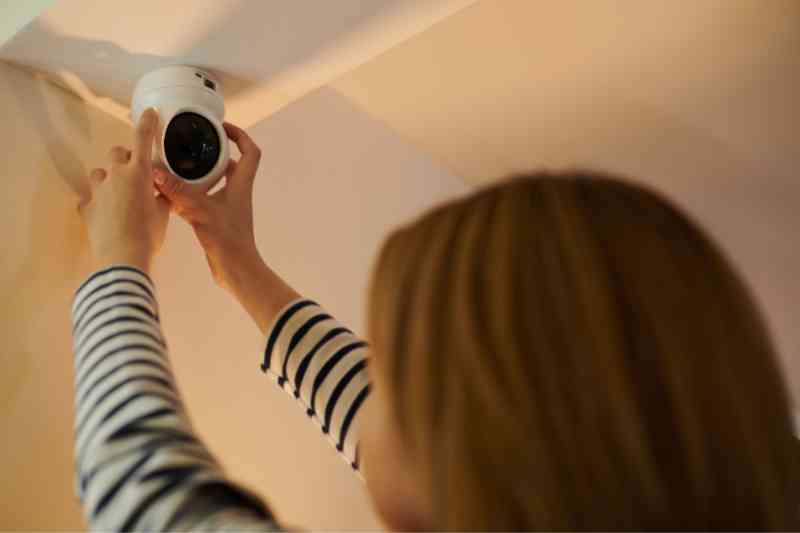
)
(571, 352)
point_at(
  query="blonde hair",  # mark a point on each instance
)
(571, 352)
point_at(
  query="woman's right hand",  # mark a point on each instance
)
(223, 221)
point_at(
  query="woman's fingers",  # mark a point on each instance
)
(184, 200)
(220, 193)
(119, 155)
(97, 175)
(145, 133)
(244, 170)
(231, 169)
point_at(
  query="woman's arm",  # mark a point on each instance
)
(313, 357)
(308, 353)
(262, 293)
(139, 464)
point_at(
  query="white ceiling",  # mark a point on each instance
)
(15, 15)
(268, 53)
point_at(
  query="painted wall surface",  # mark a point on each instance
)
(699, 99)
(51, 141)
(332, 182)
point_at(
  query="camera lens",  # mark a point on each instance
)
(191, 145)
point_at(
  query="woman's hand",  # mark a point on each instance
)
(223, 221)
(126, 222)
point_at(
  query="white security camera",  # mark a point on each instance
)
(191, 141)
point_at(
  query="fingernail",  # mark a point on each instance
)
(159, 177)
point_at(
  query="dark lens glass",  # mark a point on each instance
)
(191, 145)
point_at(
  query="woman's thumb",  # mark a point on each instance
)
(173, 188)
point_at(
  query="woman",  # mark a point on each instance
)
(560, 352)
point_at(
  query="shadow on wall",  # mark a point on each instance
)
(29, 93)
(49, 257)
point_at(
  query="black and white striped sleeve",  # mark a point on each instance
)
(322, 364)
(139, 464)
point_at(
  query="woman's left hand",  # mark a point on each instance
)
(126, 222)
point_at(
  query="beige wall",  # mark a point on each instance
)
(50, 141)
(331, 182)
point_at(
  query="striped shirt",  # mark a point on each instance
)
(139, 465)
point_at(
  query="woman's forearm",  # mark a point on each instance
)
(309, 354)
(322, 364)
(139, 465)
(260, 290)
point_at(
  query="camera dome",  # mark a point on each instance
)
(192, 143)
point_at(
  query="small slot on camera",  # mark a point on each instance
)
(210, 84)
